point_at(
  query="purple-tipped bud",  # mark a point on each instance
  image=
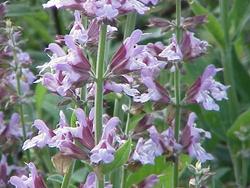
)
(149, 182)
(42, 139)
(192, 47)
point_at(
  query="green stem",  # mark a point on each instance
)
(128, 118)
(244, 167)
(99, 84)
(67, 176)
(99, 91)
(235, 162)
(177, 95)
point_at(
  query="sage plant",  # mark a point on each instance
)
(108, 144)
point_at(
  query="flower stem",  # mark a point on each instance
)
(244, 167)
(99, 84)
(177, 95)
(99, 90)
(67, 176)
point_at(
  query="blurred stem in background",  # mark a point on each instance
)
(227, 61)
(58, 21)
(117, 176)
(18, 71)
(229, 80)
(177, 95)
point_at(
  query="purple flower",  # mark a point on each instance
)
(172, 52)
(206, 90)
(69, 71)
(24, 58)
(13, 129)
(63, 137)
(104, 151)
(3, 171)
(89, 36)
(192, 47)
(63, 4)
(91, 182)
(2, 9)
(191, 22)
(34, 180)
(191, 138)
(26, 80)
(78, 33)
(155, 49)
(146, 151)
(103, 9)
(106, 11)
(149, 182)
(159, 143)
(145, 123)
(84, 132)
(124, 57)
(188, 23)
(42, 139)
(122, 63)
(155, 92)
(165, 140)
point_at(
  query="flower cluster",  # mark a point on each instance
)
(15, 74)
(64, 136)
(103, 9)
(159, 143)
(164, 143)
(33, 180)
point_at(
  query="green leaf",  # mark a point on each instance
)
(51, 109)
(80, 175)
(134, 121)
(213, 25)
(22, 9)
(40, 93)
(55, 178)
(239, 15)
(121, 157)
(243, 78)
(39, 28)
(242, 121)
(73, 119)
(146, 170)
(58, 179)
